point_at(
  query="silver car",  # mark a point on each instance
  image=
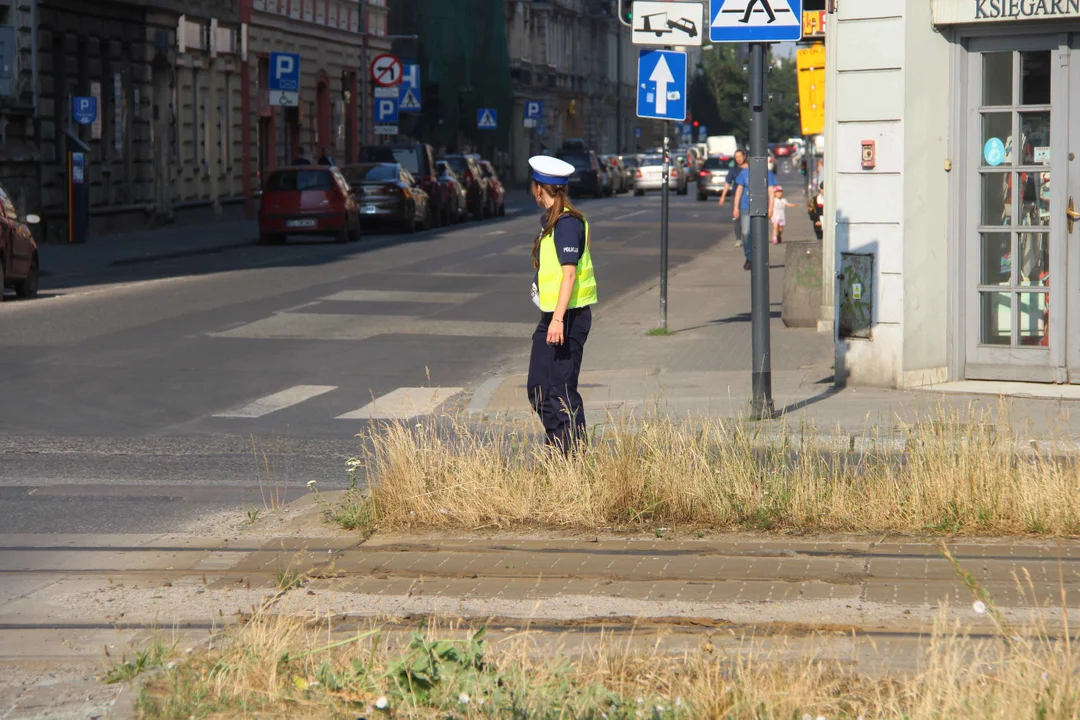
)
(650, 175)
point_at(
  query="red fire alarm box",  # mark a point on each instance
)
(869, 154)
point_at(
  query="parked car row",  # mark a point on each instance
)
(19, 269)
(400, 186)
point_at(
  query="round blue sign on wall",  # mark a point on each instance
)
(994, 152)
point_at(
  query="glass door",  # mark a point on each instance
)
(1015, 253)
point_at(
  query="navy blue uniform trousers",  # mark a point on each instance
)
(553, 378)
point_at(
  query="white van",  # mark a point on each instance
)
(722, 145)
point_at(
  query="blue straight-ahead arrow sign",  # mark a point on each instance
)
(662, 85)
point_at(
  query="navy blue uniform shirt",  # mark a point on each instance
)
(569, 240)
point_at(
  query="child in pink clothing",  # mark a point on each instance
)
(779, 216)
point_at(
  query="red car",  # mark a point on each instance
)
(497, 194)
(308, 200)
(18, 251)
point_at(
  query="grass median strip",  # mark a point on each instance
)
(959, 474)
(281, 667)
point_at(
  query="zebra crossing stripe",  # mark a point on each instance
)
(403, 404)
(402, 296)
(278, 401)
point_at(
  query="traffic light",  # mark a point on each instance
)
(626, 12)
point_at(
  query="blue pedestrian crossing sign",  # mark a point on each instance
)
(661, 83)
(739, 21)
(486, 118)
(409, 89)
(534, 109)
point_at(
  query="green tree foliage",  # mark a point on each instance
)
(720, 83)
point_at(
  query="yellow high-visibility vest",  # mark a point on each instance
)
(549, 276)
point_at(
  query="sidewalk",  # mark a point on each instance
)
(704, 367)
(102, 252)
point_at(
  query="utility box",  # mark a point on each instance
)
(802, 284)
(856, 296)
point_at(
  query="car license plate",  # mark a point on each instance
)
(299, 223)
(715, 181)
(369, 209)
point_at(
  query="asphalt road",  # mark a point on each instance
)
(139, 397)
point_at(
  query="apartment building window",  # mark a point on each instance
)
(223, 126)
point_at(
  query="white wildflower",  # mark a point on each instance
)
(382, 703)
(640, 700)
(463, 699)
(311, 484)
(678, 702)
(979, 606)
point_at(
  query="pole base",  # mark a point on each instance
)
(761, 403)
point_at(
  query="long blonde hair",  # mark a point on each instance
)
(562, 206)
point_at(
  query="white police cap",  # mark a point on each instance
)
(547, 170)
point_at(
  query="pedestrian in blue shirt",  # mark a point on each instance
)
(729, 187)
(742, 206)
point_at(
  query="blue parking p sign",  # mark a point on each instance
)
(534, 109)
(386, 110)
(84, 110)
(284, 79)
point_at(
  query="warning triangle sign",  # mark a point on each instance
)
(486, 120)
(409, 101)
(756, 13)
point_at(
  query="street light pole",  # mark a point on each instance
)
(364, 114)
(762, 401)
(664, 198)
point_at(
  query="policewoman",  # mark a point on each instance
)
(565, 291)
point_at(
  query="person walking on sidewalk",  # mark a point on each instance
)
(729, 185)
(779, 215)
(742, 206)
(565, 290)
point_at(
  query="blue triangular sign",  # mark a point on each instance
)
(487, 119)
(408, 101)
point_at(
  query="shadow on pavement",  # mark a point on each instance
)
(239, 253)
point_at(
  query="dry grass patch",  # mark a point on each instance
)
(275, 667)
(958, 475)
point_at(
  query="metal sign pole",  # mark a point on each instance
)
(762, 402)
(664, 231)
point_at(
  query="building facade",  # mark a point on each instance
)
(184, 128)
(951, 176)
(166, 77)
(576, 59)
(333, 116)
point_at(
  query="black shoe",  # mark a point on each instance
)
(746, 265)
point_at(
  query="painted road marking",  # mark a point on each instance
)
(317, 326)
(278, 401)
(639, 212)
(403, 404)
(402, 296)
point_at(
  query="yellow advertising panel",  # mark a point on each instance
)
(813, 23)
(810, 62)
